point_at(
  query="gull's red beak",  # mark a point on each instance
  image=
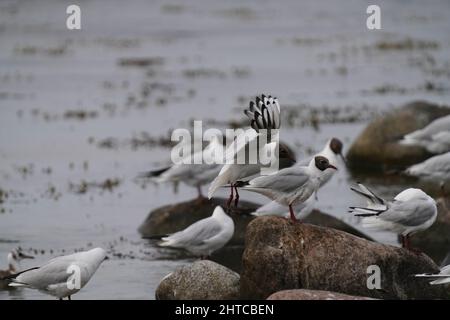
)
(332, 167)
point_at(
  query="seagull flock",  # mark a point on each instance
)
(292, 190)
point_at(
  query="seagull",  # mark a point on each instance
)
(14, 258)
(435, 137)
(59, 276)
(411, 211)
(434, 168)
(190, 173)
(264, 115)
(273, 208)
(442, 277)
(290, 186)
(205, 236)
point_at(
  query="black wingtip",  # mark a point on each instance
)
(240, 184)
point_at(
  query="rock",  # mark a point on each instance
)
(435, 241)
(377, 146)
(280, 255)
(201, 280)
(302, 294)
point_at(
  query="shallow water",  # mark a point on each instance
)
(214, 57)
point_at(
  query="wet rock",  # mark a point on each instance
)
(201, 280)
(435, 241)
(302, 294)
(377, 146)
(280, 255)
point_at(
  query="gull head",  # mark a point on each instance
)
(337, 146)
(322, 163)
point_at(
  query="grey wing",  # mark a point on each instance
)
(408, 213)
(438, 125)
(196, 233)
(55, 271)
(286, 180)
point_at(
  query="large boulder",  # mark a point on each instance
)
(377, 147)
(303, 294)
(201, 280)
(280, 255)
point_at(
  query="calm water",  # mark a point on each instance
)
(75, 113)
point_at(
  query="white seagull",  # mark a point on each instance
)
(290, 186)
(434, 168)
(205, 236)
(264, 115)
(193, 174)
(435, 137)
(62, 276)
(442, 277)
(411, 211)
(14, 257)
(332, 151)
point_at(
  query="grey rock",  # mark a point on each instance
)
(201, 280)
(280, 255)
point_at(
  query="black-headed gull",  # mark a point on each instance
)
(14, 258)
(264, 115)
(442, 277)
(292, 185)
(411, 211)
(205, 236)
(332, 151)
(62, 276)
(193, 174)
(435, 137)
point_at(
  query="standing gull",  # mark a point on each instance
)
(411, 211)
(62, 276)
(290, 186)
(205, 236)
(435, 137)
(264, 115)
(332, 151)
(14, 259)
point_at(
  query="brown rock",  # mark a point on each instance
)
(201, 280)
(280, 255)
(377, 146)
(302, 294)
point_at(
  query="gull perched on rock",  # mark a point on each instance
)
(442, 277)
(62, 276)
(290, 186)
(435, 137)
(264, 115)
(332, 151)
(14, 259)
(205, 236)
(411, 211)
